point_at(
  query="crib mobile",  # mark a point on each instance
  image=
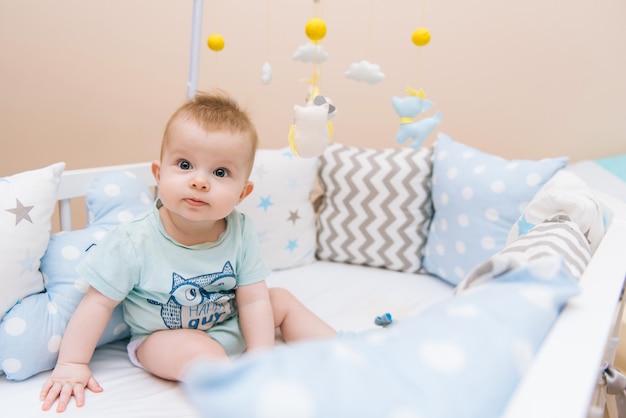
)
(311, 130)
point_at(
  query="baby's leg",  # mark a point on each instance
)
(296, 321)
(168, 353)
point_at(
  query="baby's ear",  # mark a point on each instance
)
(247, 189)
(156, 170)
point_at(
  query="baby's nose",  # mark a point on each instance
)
(200, 183)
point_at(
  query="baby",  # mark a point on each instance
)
(189, 274)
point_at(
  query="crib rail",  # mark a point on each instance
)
(565, 371)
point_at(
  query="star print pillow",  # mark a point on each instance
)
(27, 202)
(280, 207)
(477, 198)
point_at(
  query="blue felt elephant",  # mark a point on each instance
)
(409, 107)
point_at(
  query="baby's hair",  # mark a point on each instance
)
(215, 111)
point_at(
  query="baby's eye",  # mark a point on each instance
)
(184, 165)
(221, 172)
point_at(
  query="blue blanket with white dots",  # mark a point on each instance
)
(462, 357)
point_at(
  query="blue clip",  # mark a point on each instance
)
(384, 320)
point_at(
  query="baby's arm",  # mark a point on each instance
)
(255, 315)
(72, 374)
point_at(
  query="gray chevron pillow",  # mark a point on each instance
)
(376, 207)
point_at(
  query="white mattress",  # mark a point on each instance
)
(128, 392)
(352, 303)
(348, 297)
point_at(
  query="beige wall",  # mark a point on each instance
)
(93, 82)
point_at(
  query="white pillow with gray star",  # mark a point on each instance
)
(27, 202)
(281, 209)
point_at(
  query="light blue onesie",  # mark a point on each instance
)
(163, 284)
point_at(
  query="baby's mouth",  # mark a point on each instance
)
(195, 202)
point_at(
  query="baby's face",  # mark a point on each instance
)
(203, 174)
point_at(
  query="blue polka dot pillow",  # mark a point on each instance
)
(460, 358)
(280, 207)
(31, 332)
(477, 198)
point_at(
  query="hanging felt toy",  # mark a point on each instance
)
(409, 107)
(365, 71)
(216, 43)
(266, 68)
(311, 131)
(313, 51)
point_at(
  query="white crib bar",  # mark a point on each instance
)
(65, 214)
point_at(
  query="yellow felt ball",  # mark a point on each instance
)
(420, 36)
(315, 29)
(215, 42)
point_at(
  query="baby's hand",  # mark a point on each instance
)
(66, 380)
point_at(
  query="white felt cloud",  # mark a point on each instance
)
(266, 73)
(309, 52)
(365, 72)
